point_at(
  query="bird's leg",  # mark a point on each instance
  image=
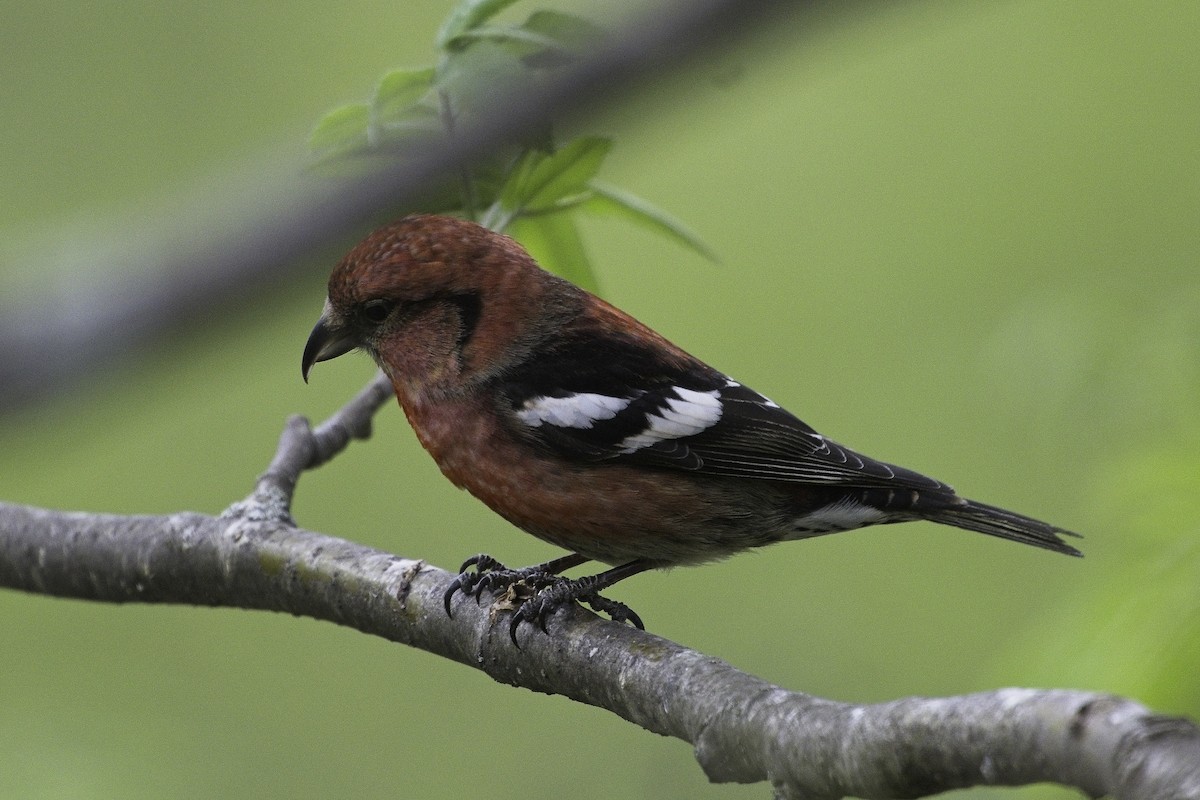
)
(586, 590)
(491, 576)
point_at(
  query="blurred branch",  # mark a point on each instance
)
(104, 312)
(742, 728)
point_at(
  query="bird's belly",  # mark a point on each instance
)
(607, 512)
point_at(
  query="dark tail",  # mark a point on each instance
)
(994, 521)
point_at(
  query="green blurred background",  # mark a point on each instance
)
(961, 237)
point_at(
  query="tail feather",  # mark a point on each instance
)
(941, 506)
(993, 521)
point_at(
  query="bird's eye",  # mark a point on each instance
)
(376, 311)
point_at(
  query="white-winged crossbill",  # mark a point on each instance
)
(579, 424)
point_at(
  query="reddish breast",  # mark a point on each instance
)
(560, 501)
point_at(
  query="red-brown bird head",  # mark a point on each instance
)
(436, 300)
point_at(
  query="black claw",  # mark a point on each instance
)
(512, 627)
(533, 611)
(472, 583)
(455, 585)
(482, 573)
(539, 608)
(482, 563)
(616, 610)
(538, 591)
(537, 611)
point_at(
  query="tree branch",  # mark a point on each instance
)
(742, 728)
(231, 247)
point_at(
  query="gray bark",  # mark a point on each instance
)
(742, 728)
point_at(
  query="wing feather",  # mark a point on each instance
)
(630, 407)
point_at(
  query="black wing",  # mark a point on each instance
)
(616, 399)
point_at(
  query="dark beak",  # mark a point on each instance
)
(325, 342)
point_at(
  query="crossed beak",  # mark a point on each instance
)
(327, 340)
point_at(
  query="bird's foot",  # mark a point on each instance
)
(537, 592)
(616, 610)
(489, 575)
(538, 607)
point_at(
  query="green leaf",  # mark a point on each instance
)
(554, 242)
(610, 201)
(341, 130)
(467, 16)
(541, 181)
(399, 90)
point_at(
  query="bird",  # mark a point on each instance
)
(589, 430)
